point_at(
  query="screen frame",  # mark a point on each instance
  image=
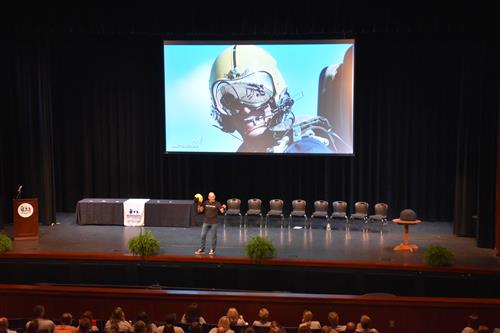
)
(219, 41)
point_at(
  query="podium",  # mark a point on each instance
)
(25, 213)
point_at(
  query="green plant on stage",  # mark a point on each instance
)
(436, 255)
(259, 248)
(5, 243)
(144, 244)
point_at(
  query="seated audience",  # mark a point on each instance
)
(4, 326)
(150, 326)
(235, 319)
(263, 320)
(327, 329)
(307, 320)
(117, 317)
(276, 328)
(483, 329)
(90, 317)
(113, 328)
(333, 320)
(365, 325)
(140, 327)
(32, 326)
(350, 327)
(223, 325)
(169, 326)
(304, 329)
(65, 327)
(472, 324)
(85, 325)
(192, 315)
(43, 324)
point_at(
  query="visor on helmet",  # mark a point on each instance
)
(252, 91)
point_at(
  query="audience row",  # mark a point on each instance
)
(192, 321)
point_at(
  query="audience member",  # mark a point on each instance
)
(483, 329)
(350, 327)
(224, 324)
(327, 329)
(140, 327)
(304, 329)
(249, 330)
(333, 320)
(169, 326)
(150, 326)
(275, 327)
(365, 325)
(118, 317)
(90, 317)
(113, 328)
(235, 319)
(85, 325)
(65, 327)
(307, 320)
(263, 320)
(193, 314)
(472, 324)
(33, 326)
(43, 324)
(4, 326)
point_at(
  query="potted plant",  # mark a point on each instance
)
(437, 255)
(5, 243)
(259, 248)
(144, 244)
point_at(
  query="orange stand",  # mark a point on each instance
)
(405, 246)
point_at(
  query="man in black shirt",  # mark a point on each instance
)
(211, 208)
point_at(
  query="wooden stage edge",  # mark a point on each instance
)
(221, 296)
(103, 256)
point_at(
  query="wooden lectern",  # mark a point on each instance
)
(25, 212)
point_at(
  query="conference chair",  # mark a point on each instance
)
(360, 214)
(298, 210)
(380, 215)
(233, 209)
(276, 210)
(320, 211)
(339, 212)
(254, 209)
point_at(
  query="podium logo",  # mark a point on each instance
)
(25, 210)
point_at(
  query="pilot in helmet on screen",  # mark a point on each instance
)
(250, 96)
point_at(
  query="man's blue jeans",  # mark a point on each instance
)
(204, 231)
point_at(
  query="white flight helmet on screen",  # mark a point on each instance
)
(248, 76)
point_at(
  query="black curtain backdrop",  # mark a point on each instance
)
(84, 113)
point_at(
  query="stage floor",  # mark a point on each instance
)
(309, 244)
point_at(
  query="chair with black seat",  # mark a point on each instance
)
(254, 209)
(380, 216)
(339, 212)
(298, 210)
(360, 214)
(233, 209)
(320, 211)
(275, 210)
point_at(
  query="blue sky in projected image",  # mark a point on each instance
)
(187, 96)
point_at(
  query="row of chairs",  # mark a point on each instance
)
(321, 210)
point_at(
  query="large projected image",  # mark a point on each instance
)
(272, 98)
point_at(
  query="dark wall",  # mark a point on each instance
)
(84, 110)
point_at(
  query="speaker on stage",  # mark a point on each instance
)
(25, 212)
